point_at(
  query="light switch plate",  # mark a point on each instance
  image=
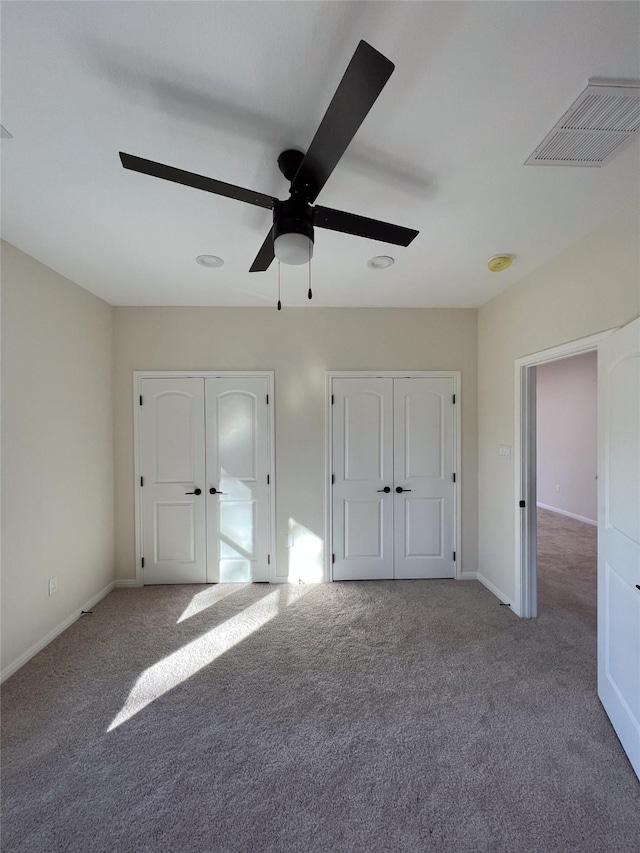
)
(504, 450)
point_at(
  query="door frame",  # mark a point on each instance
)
(525, 602)
(138, 375)
(330, 375)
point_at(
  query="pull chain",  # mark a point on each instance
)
(310, 294)
(279, 300)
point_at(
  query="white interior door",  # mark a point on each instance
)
(238, 472)
(173, 468)
(362, 468)
(619, 535)
(424, 478)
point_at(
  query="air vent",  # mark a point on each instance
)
(599, 124)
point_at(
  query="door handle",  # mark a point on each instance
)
(214, 491)
(400, 490)
(386, 490)
(196, 492)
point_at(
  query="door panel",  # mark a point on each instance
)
(363, 435)
(174, 532)
(423, 527)
(424, 466)
(172, 464)
(362, 465)
(619, 535)
(362, 526)
(237, 467)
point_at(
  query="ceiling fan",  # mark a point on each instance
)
(290, 238)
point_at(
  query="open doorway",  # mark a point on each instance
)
(525, 602)
(566, 486)
(618, 573)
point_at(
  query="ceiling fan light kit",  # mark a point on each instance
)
(291, 237)
(292, 229)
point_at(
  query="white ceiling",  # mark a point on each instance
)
(222, 88)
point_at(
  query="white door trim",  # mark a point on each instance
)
(330, 375)
(201, 374)
(525, 599)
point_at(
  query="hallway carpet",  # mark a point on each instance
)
(567, 566)
(389, 716)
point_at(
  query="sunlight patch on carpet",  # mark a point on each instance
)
(185, 662)
(208, 597)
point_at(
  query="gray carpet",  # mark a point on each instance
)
(567, 566)
(406, 716)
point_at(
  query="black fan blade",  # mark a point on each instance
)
(363, 81)
(189, 179)
(362, 226)
(265, 255)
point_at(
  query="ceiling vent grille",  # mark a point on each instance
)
(599, 124)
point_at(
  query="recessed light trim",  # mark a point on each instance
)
(209, 261)
(380, 262)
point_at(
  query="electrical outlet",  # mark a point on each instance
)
(53, 585)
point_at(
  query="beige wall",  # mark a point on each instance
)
(593, 286)
(299, 344)
(57, 450)
(566, 434)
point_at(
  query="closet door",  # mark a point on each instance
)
(172, 443)
(423, 478)
(237, 487)
(362, 469)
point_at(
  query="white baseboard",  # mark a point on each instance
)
(568, 514)
(37, 647)
(493, 589)
(468, 576)
(126, 582)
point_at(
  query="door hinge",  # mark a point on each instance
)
(454, 478)
(141, 481)
(140, 399)
(268, 559)
(268, 479)
(142, 562)
(333, 479)
(267, 399)
(333, 558)
(454, 556)
(333, 399)
(454, 400)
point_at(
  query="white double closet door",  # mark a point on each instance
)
(393, 490)
(205, 468)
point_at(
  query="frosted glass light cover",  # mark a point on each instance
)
(293, 248)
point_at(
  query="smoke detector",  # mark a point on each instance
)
(499, 262)
(603, 120)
